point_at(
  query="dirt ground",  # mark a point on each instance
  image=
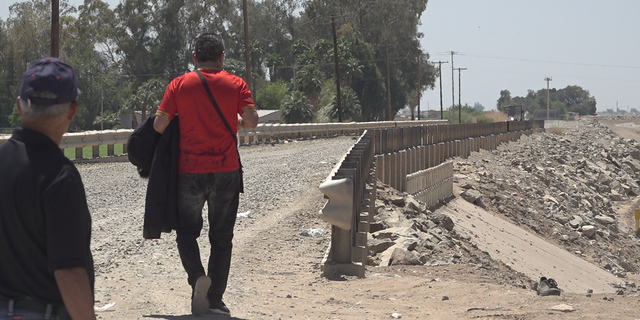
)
(275, 274)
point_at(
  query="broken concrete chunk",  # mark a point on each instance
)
(589, 231)
(605, 219)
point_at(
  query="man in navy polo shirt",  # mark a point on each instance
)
(46, 267)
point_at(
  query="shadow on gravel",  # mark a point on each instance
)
(191, 317)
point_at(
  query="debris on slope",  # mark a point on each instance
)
(404, 232)
(575, 187)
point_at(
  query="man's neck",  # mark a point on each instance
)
(210, 65)
(53, 129)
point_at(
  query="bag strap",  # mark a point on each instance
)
(215, 105)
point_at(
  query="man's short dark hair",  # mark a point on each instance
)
(209, 47)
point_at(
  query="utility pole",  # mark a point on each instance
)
(440, 76)
(388, 84)
(460, 95)
(55, 28)
(102, 102)
(247, 49)
(453, 94)
(419, 90)
(547, 79)
(335, 57)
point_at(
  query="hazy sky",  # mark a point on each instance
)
(515, 44)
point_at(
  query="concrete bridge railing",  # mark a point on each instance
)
(263, 133)
(409, 159)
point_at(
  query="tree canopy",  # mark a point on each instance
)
(570, 99)
(122, 52)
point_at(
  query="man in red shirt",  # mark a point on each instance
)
(208, 166)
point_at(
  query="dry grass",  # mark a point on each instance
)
(496, 116)
(557, 131)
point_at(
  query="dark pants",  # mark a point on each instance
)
(220, 191)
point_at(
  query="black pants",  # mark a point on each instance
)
(221, 193)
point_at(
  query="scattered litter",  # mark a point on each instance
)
(563, 308)
(106, 307)
(396, 315)
(312, 232)
(245, 214)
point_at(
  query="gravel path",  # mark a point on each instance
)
(143, 276)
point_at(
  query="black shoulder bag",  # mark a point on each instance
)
(226, 124)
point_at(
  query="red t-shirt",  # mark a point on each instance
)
(205, 143)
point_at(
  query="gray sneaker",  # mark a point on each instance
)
(199, 301)
(548, 287)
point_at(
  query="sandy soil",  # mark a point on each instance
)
(275, 274)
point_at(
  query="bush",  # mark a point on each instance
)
(272, 95)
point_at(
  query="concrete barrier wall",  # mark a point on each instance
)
(431, 185)
(411, 159)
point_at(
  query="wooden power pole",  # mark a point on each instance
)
(440, 76)
(547, 79)
(453, 94)
(419, 90)
(247, 49)
(460, 95)
(388, 84)
(55, 28)
(337, 68)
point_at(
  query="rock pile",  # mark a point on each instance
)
(406, 233)
(576, 187)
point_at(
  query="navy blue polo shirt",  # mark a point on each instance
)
(45, 223)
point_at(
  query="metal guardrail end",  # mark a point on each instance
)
(339, 208)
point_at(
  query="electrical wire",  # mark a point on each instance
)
(540, 61)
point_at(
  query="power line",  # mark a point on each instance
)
(549, 61)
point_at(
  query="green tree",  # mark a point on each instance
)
(309, 80)
(504, 100)
(272, 95)
(350, 106)
(147, 97)
(273, 61)
(296, 108)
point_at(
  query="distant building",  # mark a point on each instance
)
(432, 114)
(541, 114)
(269, 116)
(127, 122)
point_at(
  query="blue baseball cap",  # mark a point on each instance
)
(50, 75)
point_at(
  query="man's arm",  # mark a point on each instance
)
(76, 292)
(249, 119)
(160, 123)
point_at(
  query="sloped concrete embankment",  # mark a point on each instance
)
(525, 252)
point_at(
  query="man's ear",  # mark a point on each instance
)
(73, 109)
(18, 105)
(193, 55)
